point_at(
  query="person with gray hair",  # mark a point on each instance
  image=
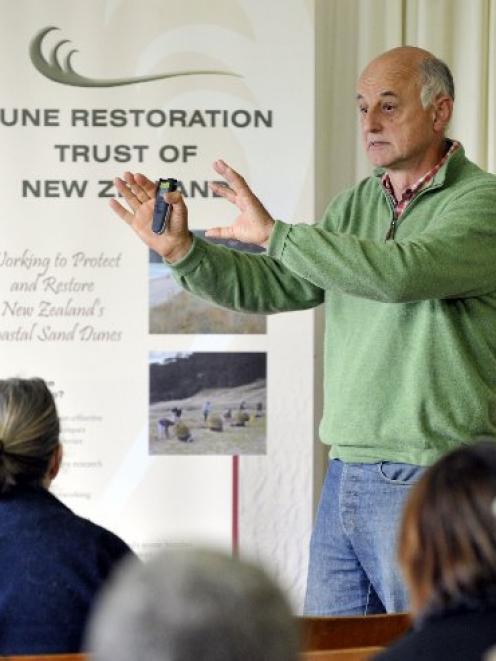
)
(436, 80)
(404, 262)
(53, 561)
(192, 604)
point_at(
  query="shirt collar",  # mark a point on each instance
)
(410, 191)
(380, 171)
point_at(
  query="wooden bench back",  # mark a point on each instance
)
(352, 654)
(357, 654)
(350, 638)
(337, 633)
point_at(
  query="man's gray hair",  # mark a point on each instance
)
(436, 79)
(188, 604)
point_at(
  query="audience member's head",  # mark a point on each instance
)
(30, 452)
(186, 605)
(447, 546)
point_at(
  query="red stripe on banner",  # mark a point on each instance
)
(235, 505)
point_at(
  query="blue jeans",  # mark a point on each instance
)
(353, 568)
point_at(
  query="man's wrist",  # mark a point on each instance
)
(179, 250)
(270, 228)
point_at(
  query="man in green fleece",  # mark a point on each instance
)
(405, 263)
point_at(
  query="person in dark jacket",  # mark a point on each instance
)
(447, 551)
(52, 562)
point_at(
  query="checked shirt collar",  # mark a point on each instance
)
(411, 191)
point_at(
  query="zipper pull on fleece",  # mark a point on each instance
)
(391, 231)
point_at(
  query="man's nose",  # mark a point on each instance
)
(371, 121)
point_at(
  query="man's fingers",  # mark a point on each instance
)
(123, 213)
(179, 217)
(138, 220)
(146, 184)
(174, 198)
(126, 192)
(138, 186)
(235, 180)
(220, 233)
(224, 191)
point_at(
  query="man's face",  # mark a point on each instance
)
(396, 130)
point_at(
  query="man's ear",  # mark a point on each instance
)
(55, 461)
(442, 110)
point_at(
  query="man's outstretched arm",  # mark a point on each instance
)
(240, 281)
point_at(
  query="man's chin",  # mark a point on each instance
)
(379, 157)
(380, 161)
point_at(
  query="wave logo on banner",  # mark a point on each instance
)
(51, 68)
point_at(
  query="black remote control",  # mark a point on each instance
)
(162, 210)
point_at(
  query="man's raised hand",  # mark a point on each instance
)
(139, 193)
(254, 224)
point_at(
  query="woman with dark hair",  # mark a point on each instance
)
(52, 562)
(447, 551)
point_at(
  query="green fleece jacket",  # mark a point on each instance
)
(410, 341)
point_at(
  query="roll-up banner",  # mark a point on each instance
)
(157, 390)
